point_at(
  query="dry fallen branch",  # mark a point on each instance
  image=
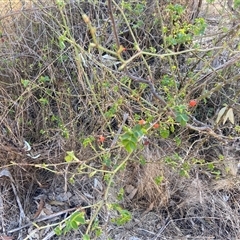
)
(54, 215)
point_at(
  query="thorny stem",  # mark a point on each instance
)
(204, 128)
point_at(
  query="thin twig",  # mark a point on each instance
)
(52, 233)
(152, 88)
(125, 116)
(43, 219)
(24, 10)
(113, 23)
(167, 222)
(204, 79)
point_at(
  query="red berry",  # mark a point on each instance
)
(156, 125)
(192, 103)
(141, 122)
(101, 139)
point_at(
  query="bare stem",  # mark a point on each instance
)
(113, 23)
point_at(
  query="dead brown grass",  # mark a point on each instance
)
(54, 104)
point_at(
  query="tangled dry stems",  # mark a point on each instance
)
(55, 111)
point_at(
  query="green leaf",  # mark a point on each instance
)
(183, 173)
(43, 101)
(172, 128)
(58, 231)
(62, 45)
(131, 137)
(236, 3)
(70, 156)
(211, 166)
(44, 79)
(178, 141)
(72, 180)
(158, 180)
(86, 237)
(142, 161)
(120, 194)
(164, 133)
(60, 3)
(126, 136)
(75, 220)
(67, 228)
(125, 216)
(107, 162)
(74, 225)
(130, 146)
(62, 39)
(182, 118)
(78, 217)
(88, 141)
(134, 139)
(25, 82)
(138, 131)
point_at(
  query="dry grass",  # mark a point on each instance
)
(56, 100)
